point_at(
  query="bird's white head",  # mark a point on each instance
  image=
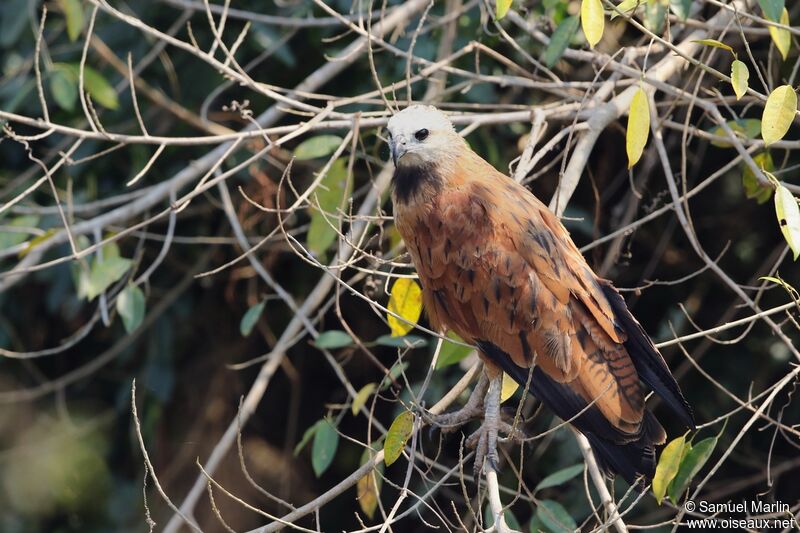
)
(421, 135)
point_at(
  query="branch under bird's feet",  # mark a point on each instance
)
(486, 449)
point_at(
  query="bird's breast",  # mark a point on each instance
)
(451, 228)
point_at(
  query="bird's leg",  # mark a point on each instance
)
(483, 403)
(486, 449)
(449, 422)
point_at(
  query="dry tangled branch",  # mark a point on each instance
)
(215, 175)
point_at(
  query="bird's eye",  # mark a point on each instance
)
(422, 134)
(388, 134)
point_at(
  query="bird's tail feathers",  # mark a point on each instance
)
(648, 361)
(634, 461)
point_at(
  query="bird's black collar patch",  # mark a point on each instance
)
(409, 179)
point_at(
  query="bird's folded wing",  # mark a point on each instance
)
(498, 267)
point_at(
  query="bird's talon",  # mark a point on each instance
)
(450, 422)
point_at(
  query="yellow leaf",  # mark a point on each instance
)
(780, 36)
(502, 7)
(715, 43)
(368, 488)
(638, 127)
(509, 388)
(592, 20)
(625, 6)
(739, 76)
(406, 301)
(782, 282)
(778, 114)
(36, 241)
(362, 396)
(367, 494)
(397, 436)
(788, 218)
(668, 465)
(393, 236)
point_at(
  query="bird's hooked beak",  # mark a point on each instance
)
(398, 146)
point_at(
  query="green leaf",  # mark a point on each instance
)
(64, 88)
(13, 20)
(779, 113)
(323, 449)
(655, 14)
(105, 273)
(406, 341)
(394, 372)
(668, 465)
(332, 192)
(307, 436)
(73, 12)
(559, 477)
(268, 38)
(95, 84)
(593, 20)
(131, 306)
(749, 128)
(502, 7)
(536, 525)
(99, 89)
(250, 318)
(330, 340)
(788, 213)
(488, 518)
(681, 8)
(111, 249)
(638, 130)
(451, 353)
(553, 515)
(318, 146)
(560, 40)
(753, 188)
(691, 464)
(13, 238)
(714, 43)
(772, 9)
(781, 37)
(739, 77)
(362, 396)
(627, 7)
(405, 301)
(397, 436)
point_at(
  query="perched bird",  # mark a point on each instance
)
(500, 270)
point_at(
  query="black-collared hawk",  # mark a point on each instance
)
(500, 270)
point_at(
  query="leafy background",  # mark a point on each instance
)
(70, 459)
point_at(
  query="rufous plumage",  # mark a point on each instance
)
(500, 270)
